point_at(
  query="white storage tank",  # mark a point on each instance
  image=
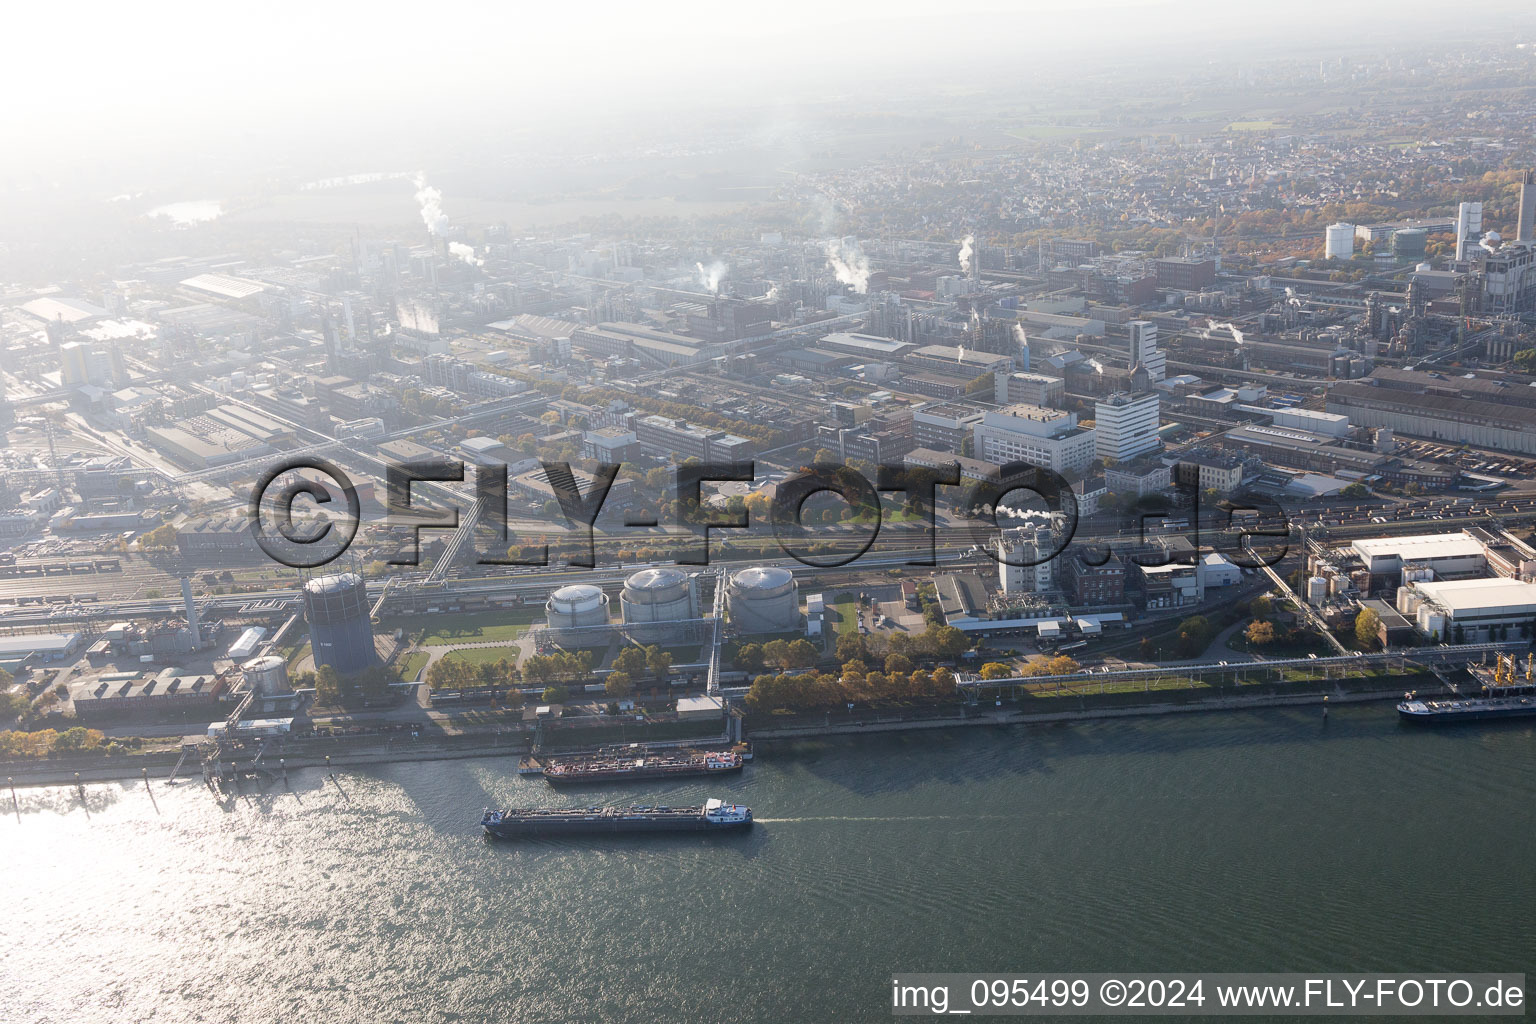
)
(267, 676)
(1317, 591)
(576, 607)
(658, 595)
(763, 600)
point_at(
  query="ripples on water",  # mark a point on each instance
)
(1267, 841)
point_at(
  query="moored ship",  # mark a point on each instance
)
(1504, 696)
(635, 764)
(517, 822)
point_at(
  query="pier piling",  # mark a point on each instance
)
(15, 804)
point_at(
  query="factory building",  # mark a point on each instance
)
(1447, 554)
(662, 596)
(1048, 438)
(340, 631)
(763, 600)
(1469, 611)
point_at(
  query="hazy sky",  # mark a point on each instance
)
(109, 82)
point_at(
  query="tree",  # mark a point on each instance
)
(749, 658)
(802, 654)
(630, 661)
(555, 694)
(328, 685)
(617, 684)
(1525, 359)
(658, 662)
(995, 670)
(1262, 607)
(946, 641)
(776, 653)
(850, 647)
(1260, 633)
(898, 663)
(1194, 635)
(1367, 630)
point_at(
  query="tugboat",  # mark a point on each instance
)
(1503, 697)
(519, 822)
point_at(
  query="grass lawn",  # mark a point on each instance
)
(847, 616)
(410, 666)
(483, 655)
(468, 628)
(295, 654)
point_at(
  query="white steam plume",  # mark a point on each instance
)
(846, 258)
(465, 253)
(1018, 330)
(965, 253)
(772, 294)
(431, 202)
(710, 276)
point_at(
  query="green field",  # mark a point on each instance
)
(847, 616)
(483, 655)
(409, 667)
(468, 628)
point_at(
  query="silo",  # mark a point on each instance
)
(267, 676)
(658, 595)
(1339, 241)
(574, 607)
(1317, 591)
(340, 632)
(763, 600)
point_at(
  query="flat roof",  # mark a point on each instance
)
(37, 643)
(1484, 595)
(1419, 545)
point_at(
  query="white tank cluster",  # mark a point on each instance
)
(659, 595)
(267, 676)
(575, 607)
(763, 600)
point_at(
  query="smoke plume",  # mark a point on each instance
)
(710, 276)
(465, 253)
(846, 258)
(965, 253)
(431, 202)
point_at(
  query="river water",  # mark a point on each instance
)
(1264, 841)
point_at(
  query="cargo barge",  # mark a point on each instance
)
(636, 764)
(1504, 695)
(520, 822)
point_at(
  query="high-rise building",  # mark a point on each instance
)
(1126, 425)
(1144, 350)
(82, 364)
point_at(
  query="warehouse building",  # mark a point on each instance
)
(1470, 611)
(1448, 554)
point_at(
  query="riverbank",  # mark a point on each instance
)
(352, 753)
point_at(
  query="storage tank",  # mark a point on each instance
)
(658, 595)
(1339, 241)
(575, 607)
(1317, 591)
(340, 633)
(763, 600)
(1408, 244)
(267, 676)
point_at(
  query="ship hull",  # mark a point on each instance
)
(1465, 711)
(634, 775)
(521, 830)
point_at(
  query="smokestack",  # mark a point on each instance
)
(1525, 226)
(192, 623)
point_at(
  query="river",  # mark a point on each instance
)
(1262, 841)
